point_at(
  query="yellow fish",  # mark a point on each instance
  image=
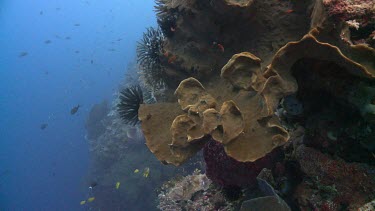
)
(82, 202)
(91, 199)
(146, 172)
(136, 170)
(117, 185)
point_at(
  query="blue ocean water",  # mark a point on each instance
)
(76, 53)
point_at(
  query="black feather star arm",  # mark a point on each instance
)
(149, 52)
(130, 100)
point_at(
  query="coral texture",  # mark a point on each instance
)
(350, 9)
(346, 184)
(192, 192)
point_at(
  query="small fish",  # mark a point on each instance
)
(41, 12)
(112, 49)
(166, 54)
(43, 126)
(47, 41)
(76, 51)
(92, 61)
(91, 199)
(221, 47)
(146, 172)
(119, 39)
(93, 184)
(136, 170)
(67, 38)
(74, 110)
(173, 29)
(117, 185)
(82, 202)
(289, 11)
(77, 24)
(22, 54)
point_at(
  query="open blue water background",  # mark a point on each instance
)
(45, 169)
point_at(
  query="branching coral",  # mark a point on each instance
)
(130, 100)
(149, 52)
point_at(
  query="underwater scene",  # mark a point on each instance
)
(187, 105)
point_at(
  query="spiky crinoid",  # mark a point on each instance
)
(130, 100)
(149, 51)
(161, 8)
(166, 17)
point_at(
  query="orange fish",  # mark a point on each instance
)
(166, 54)
(289, 11)
(172, 59)
(221, 47)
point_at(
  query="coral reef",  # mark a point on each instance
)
(355, 20)
(116, 153)
(347, 185)
(192, 192)
(350, 9)
(222, 28)
(283, 85)
(263, 94)
(195, 192)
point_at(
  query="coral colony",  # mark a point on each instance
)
(279, 95)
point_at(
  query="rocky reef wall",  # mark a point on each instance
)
(283, 85)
